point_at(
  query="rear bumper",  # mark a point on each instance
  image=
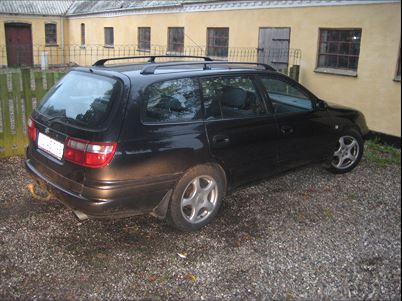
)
(104, 208)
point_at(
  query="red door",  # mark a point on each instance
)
(19, 44)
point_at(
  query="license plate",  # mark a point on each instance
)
(51, 146)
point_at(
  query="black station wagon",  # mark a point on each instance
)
(171, 139)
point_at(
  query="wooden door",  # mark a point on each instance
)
(19, 44)
(273, 47)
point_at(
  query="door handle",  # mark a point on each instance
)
(287, 130)
(220, 140)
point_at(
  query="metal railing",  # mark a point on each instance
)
(72, 55)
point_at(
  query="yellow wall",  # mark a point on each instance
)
(373, 91)
(38, 37)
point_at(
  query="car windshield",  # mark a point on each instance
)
(80, 98)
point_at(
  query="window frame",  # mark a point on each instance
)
(217, 47)
(105, 29)
(336, 70)
(171, 44)
(258, 89)
(47, 43)
(143, 103)
(140, 40)
(314, 99)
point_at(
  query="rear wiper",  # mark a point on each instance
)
(63, 119)
(59, 118)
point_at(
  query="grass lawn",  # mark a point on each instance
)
(382, 154)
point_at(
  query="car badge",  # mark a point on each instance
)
(47, 131)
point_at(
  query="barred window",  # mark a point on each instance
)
(82, 34)
(176, 39)
(218, 42)
(339, 48)
(398, 68)
(51, 34)
(109, 36)
(144, 38)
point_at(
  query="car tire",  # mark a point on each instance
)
(197, 198)
(348, 153)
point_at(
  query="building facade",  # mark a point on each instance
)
(350, 50)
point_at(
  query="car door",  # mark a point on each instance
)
(242, 134)
(305, 130)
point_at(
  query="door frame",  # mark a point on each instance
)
(286, 118)
(19, 25)
(237, 174)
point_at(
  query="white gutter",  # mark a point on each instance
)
(62, 39)
(62, 31)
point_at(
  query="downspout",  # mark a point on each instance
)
(62, 40)
(62, 31)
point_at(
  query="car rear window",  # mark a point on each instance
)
(81, 99)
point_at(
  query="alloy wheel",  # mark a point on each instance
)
(199, 199)
(347, 153)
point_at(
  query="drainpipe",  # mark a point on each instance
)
(63, 16)
(62, 40)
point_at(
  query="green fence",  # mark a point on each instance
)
(20, 91)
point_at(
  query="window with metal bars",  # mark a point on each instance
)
(51, 34)
(109, 36)
(339, 48)
(398, 67)
(218, 42)
(144, 38)
(176, 39)
(82, 34)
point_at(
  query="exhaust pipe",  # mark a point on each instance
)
(80, 215)
(40, 193)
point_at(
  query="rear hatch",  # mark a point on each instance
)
(75, 129)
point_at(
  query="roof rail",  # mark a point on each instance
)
(151, 58)
(150, 69)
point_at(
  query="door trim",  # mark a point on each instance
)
(18, 24)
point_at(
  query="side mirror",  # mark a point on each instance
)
(322, 105)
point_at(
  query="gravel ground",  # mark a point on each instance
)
(307, 234)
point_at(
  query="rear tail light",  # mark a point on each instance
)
(89, 154)
(31, 130)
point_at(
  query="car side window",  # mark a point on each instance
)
(172, 101)
(285, 97)
(230, 97)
